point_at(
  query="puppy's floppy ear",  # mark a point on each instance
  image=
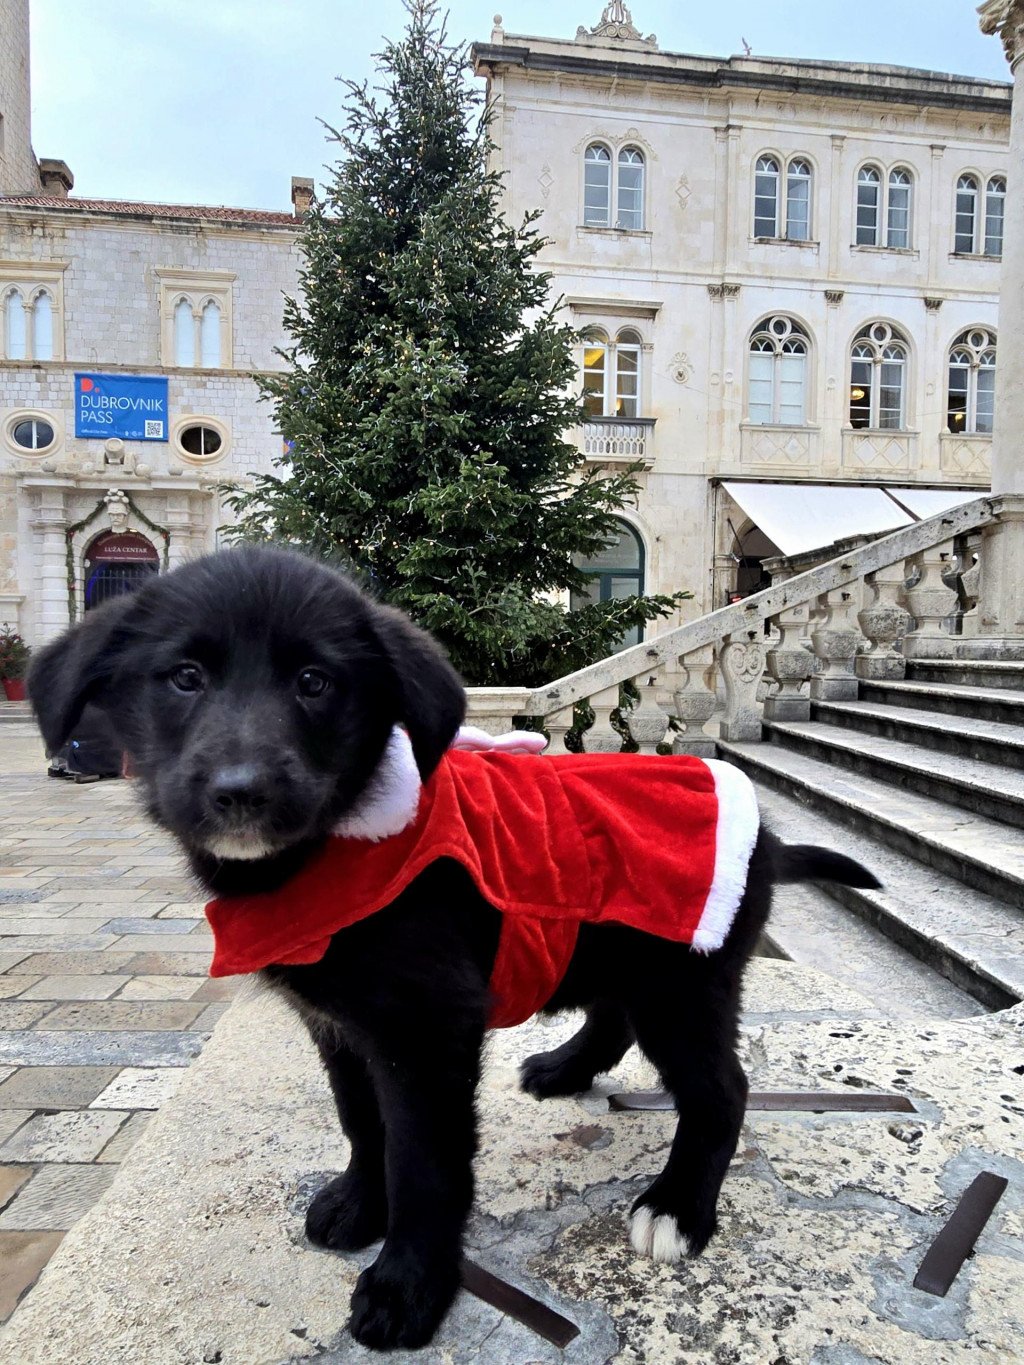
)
(75, 669)
(432, 701)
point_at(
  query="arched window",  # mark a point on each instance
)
(966, 215)
(184, 334)
(611, 374)
(766, 197)
(777, 379)
(972, 382)
(15, 334)
(597, 186)
(617, 571)
(630, 200)
(798, 200)
(878, 383)
(42, 326)
(995, 208)
(869, 204)
(209, 336)
(901, 186)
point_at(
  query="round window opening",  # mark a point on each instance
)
(32, 434)
(200, 440)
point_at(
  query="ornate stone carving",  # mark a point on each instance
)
(695, 703)
(1005, 17)
(724, 291)
(617, 22)
(883, 621)
(835, 643)
(545, 180)
(646, 722)
(742, 659)
(118, 510)
(681, 369)
(931, 602)
(933, 305)
(602, 737)
(833, 297)
(683, 191)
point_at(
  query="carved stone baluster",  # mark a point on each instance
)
(695, 702)
(930, 602)
(835, 642)
(969, 582)
(742, 661)
(647, 722)
(601, 738)
(791, 664)
(883, 622)
(558, 724)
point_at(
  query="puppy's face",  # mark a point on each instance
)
(255, 691)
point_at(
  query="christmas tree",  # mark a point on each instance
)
(429, 385)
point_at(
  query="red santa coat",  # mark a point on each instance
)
(658, 844)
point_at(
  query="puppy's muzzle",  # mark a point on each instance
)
(239, 791)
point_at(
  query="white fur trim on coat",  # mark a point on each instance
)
(738, 823)
(392, 796)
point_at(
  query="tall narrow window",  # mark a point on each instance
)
(616, 571)
(995, 209)
(15, 335)
(966, 215)
(597, 186)
(972, 383)
(898, 224)
(777, 373)
(42, 327)
(209, 336)
(184, 334)
(869, 203)
(766, 197)
(611, 375)
(878, 370)
(630, 201)
(798, 200)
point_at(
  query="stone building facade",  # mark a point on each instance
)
(121, 292)
(789, 272)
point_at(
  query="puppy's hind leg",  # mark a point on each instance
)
(351, 1211)
(676, 1215)
(599, 1045)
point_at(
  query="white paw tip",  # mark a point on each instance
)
(657, 1235)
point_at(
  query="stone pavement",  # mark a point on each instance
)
(104, 997)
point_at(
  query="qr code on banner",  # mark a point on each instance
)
(154, 429)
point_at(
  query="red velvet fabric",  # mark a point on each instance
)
(550, 842)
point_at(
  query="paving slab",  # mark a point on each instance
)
(56, 1198)
(22, 1256)
(67, 1136)
(11, 1120)
(19, 1014)
(69, 964)
(196, 1252)
(54, 1087)
(11, 986)
(12, 1178)
(159, 988)
(68, 1048)
(139, 1015)
(139, 1088)
(127, 1136)
(69, 987)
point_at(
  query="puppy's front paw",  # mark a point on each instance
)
(667, 1236)
(347, 1214)
(401, 1300)
(547, 1075)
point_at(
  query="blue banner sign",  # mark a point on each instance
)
(131, 406)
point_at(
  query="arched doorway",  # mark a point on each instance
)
(117, 562)
(618, 571)
(754, 548)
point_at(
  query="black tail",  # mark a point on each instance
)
(810, 863)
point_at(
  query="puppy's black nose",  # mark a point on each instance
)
(240, 788)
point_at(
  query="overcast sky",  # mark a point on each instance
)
(217, 101)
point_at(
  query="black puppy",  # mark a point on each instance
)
(256, 692)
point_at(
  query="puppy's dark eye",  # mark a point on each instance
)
(313, 683)
(188, 678)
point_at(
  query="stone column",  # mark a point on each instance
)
(52, 599)
(1001, 603)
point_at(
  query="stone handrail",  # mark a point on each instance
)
(813, 635)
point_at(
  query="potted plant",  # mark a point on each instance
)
(14, 657)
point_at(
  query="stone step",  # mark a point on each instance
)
(1004, 706)
(15, 710)
(1003, 673)
(966, 783)
(984, 854)
(970, 939)
(983, 740)
(810, 928)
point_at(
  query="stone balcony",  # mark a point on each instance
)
(618, 440)
(883, 452)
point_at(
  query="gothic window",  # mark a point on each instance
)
(618, 183)
(884, 207)
(777, 374)
(611, 374)
(766, 197)
(597, 186)
(209, 335)
(972, 383)
(195, 311)
(995, 208)
(878, 379)
(798, 200)
(15, 328)
(869, 202)
(42, 326)
(31, 303)
(630, 200)
(966, 231)
(901, 188)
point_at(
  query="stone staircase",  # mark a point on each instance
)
(923, 781)
(14, 710)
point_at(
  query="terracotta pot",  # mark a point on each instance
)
(14, 688)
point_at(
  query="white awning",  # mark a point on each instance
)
(929, 502)
(808, 516)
